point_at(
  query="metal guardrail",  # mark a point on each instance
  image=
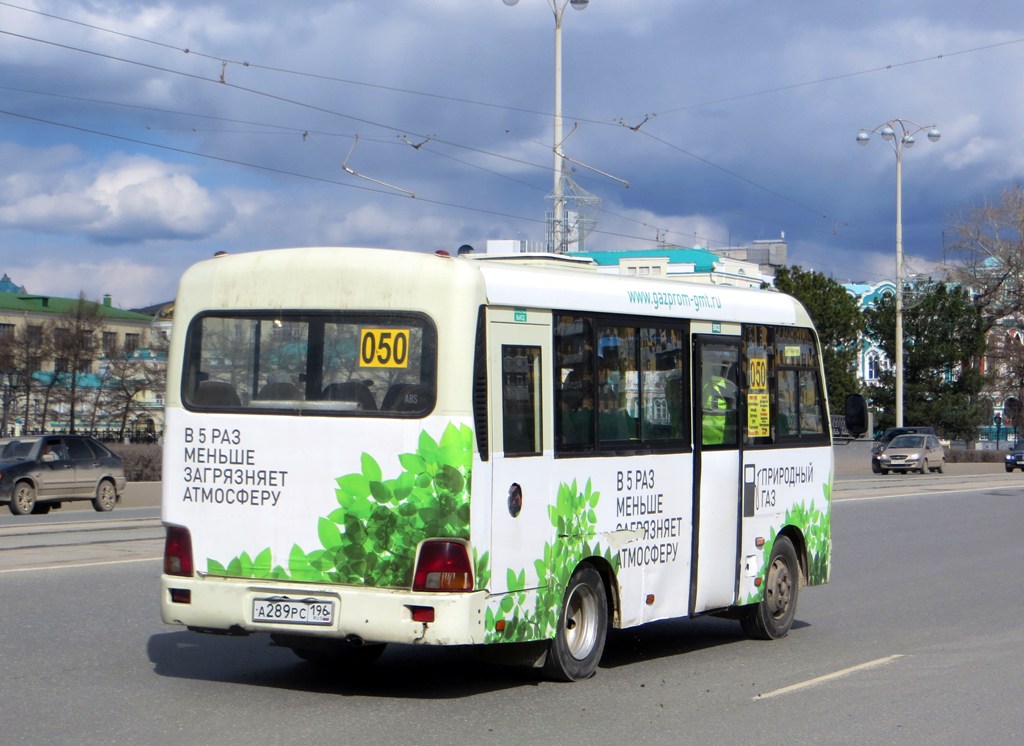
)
(839, 427)
(840, 433)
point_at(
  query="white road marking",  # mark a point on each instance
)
(827, 677)
(80, 564)
(839, 498)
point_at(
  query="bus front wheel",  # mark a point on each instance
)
(772, 617)
(579, 640)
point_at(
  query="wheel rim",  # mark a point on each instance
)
(106, 495)
(23, 496)
(581, 625)
(779, 592)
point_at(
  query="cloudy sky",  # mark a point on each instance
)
(139, 137)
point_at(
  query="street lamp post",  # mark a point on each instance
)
(903, 139)
(10, 380)
(557, 228)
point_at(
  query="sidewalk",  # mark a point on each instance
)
(142, 495)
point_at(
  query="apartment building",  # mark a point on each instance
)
(67, 356)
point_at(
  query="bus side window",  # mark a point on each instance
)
(577, 407)
(811, 421)
(520, 399)
(719, 395)
(799, 396)
(787, 402)
(665, 409)
(574, 377)
(617, 376)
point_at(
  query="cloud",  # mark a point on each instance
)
(620, 228)
(144, 199)
(131, 284)
(129, 199)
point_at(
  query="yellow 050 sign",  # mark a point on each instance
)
(758, 374)
(384, 348)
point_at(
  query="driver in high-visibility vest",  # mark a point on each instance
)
(714, 416)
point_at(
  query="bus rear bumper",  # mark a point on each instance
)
(225, 605)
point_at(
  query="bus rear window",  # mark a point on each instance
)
(358, 364)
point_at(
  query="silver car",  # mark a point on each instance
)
(912, 453)
(40, 472)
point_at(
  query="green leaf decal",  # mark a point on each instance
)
(371, 470)
(380, 492)
(261, 565)
(355, 485)
(412, 463)
(329, 534)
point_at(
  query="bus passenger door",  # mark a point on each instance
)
(519, 416)
(716, 505)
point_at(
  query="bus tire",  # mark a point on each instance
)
(578, 644)
(106, 497)
(772, 617)
(23, 498)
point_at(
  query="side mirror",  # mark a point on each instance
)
(856, 415)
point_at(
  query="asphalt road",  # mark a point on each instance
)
(916, 640)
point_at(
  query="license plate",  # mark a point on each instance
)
(279, 610)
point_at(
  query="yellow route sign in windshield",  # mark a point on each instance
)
(384, 348)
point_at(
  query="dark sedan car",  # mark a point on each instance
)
(1015, 460)
(40, 472)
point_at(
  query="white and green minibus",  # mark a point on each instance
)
(367, 446)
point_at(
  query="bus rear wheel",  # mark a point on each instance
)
(579, 640)
(773, 616)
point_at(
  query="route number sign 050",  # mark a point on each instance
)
(384, 348)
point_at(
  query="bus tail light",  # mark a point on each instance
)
(423, 614)
(178, 552)
(443, 566)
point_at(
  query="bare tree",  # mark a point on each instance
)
(26, 350)
(128, 376)
(35, 345)
(1005, 356)
(989, 249)
(7, 365)
(75, 348)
